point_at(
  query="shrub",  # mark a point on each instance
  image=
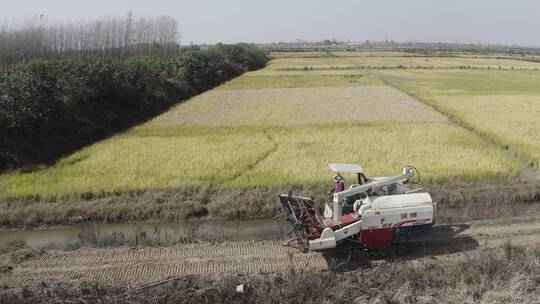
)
(20, 255)
(51, 107)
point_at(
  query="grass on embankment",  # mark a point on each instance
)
(502, 105)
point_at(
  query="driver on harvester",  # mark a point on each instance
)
(339, 186)
(339, 183)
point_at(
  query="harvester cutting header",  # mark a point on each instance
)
(375, 212)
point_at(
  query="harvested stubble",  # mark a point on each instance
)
(310, 73)
(301, 80)
(371, 54)
(299, 106)
(508, 275)
(317, 63)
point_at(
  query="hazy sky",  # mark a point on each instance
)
(494, 21)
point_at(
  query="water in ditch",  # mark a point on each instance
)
(193, 231)
(105, 235)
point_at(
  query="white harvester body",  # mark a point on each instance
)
(375, 213)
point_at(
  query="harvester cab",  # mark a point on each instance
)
(374, 212)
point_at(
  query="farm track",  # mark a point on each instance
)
(137, 267)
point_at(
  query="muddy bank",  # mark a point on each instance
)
(478, 199)
(140, 234)
(507, 274)
(136, 266)
(152, 234)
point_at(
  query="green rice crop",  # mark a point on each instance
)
(502, 105)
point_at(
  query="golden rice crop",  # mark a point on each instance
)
(249, 157)
(444, 62)
(371, 54)
(148, 160)
(297, 54)
(440, 151)
(512, 120)
(502, 105)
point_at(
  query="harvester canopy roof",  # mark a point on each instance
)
(344, 168)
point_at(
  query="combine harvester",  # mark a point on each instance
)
(375, 213)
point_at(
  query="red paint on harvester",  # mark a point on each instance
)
(377, 238)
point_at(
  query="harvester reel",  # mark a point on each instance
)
(299, 213)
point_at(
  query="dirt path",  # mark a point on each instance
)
(136, 267)
(139, 266)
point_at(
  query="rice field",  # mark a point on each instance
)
(404, 62)
(277, 128)
(145, 160)
(503, 105)
(299, 106)
(374, 53)
(302, 54)
(441, 151)
(251, 157)
(314, 54)
(262, 80)
(312, 63)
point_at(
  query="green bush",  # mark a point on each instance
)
(21, 255)
(51, 107)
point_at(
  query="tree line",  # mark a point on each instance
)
(39, 37)
(49, 107)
